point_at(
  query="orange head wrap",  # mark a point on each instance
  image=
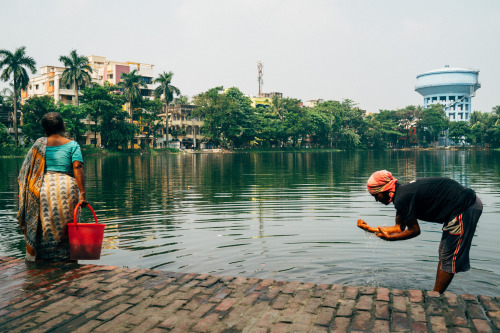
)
(382, 181)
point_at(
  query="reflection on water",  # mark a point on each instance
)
(288, 216)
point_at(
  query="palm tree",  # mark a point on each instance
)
(15, 65)
(168, 91)
(131, 84)
(76, 72)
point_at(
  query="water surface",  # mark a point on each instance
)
(287, 216)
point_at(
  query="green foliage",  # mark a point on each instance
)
(381, 131)
(4, 135)
(459, 131)
(131, 84)
(229, 118)
(33, 111)
(7, 98)
(73, 116)
(345, 123)
(148, 117)
(178, 132)
(432, 122)
(14, 65)
(166, 88)
(295, 120)
(181, 99)
(104, 108)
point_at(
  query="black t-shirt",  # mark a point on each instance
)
(435, 199)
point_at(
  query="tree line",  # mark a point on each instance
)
(229, 118)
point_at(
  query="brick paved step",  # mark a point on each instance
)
(91, 298)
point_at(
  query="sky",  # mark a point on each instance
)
(364, 50)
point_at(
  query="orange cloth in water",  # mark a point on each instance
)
(382, 181)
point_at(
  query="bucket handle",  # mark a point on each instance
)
(76, 210)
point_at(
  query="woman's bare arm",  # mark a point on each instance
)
(80, 180)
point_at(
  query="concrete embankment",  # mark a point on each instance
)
(92, 298)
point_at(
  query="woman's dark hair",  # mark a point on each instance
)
(53, 123)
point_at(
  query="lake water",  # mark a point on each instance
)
(286, 216)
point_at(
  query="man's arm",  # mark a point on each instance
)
(363, 225)
(399, 227)
(412, 230)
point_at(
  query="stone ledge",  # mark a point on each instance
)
(93, 298)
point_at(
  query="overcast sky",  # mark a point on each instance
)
(365, 50)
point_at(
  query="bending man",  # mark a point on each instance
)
(440, 200)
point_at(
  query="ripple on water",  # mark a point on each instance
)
(286, 216)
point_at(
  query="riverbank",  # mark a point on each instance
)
(93, 298)
(90, 150)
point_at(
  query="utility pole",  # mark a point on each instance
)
(260, 79)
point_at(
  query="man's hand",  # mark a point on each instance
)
(383, 233)
(363, 225)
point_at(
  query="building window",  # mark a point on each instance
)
(466, 107)
(466, 116)
(452, 116)
(146, 92)
(460, 116)
(147, 80)
(93, 141)
(111, 76)
(36, 87)
(51, 83)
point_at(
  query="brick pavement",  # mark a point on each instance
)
(91, 298)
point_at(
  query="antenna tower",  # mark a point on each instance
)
(260, 72)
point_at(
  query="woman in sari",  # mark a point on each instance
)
(51, 184)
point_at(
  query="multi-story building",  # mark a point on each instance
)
(103, 70)
(111, 71)
(184, 129)
(451, 87)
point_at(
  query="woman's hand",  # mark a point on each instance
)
(83, 200)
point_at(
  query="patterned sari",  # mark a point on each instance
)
(46, 204)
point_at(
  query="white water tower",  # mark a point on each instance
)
(451, 87)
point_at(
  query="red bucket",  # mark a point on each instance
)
(85, 239)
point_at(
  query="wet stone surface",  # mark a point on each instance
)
(91, 298)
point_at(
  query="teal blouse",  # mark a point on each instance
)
(61, 158)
